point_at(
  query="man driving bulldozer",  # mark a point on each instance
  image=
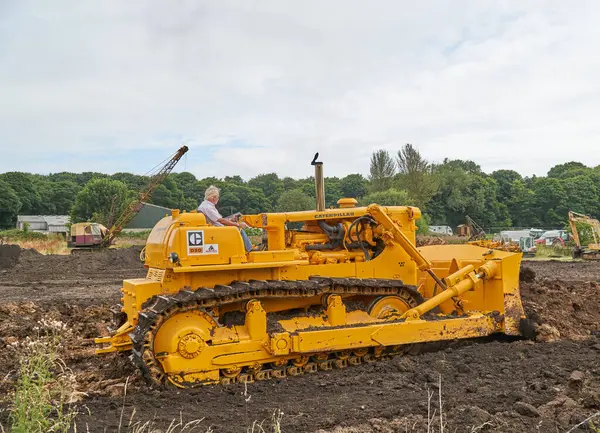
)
(209, 209)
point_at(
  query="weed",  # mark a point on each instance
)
(273, 425)
(21, 235)
(552, 251)
(176, 425)
(45, 244)
(44, 388)
(589, 423)
(142, 234)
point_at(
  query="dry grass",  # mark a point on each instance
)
(126, 242)
(52, 245)
(45, 244)
(149, 426)
(545, 251)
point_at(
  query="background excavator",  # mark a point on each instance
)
(592, 251)
(348, 287)
(471, 230)
(92, 235)
(476, 235)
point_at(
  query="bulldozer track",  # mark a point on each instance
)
(159, 308)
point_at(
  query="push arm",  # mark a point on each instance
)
(400, 238)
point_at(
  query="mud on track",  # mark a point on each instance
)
(502, 385)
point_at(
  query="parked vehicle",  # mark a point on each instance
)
(441, 230)
(556, 238)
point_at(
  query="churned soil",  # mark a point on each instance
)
(494, 384)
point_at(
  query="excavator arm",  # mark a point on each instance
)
(572, 222)
(594, 224)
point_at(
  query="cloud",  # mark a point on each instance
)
(507, 85)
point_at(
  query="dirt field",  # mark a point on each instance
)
(488, 385)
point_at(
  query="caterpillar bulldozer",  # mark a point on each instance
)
(348, 287)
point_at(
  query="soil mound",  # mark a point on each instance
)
(526, 274)
(423, 241)
(9, 255)
(31, 265)
(580, 271)
(570, 307)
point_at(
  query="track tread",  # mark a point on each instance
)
(160, 307)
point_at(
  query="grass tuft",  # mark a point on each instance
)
(44, 388)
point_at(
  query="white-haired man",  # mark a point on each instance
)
(209, 209)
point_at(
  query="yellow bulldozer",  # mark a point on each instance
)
(348, 287)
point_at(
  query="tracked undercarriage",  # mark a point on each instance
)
(385, 300)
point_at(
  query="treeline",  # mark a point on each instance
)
(445, 192)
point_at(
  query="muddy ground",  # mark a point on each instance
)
(497, 384)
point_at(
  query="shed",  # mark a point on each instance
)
(34, 222)
(44, 223)
(148, 216)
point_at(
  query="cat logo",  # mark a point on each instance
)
(195, 242)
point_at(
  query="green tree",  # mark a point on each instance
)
(269, 184)
(45, 189)
(465, 190)
(169, 195)
(522, 206)
(86, 176)
(63, 176)
(582, 196)
(289, 183)
(241, 198)
(505, 180)
(561, 171)
(229, 202)
(9, 205)
(294, 200)
(423, 225)
(389, 197)
(133, 181)
(202, 184)
(307, 186)
(382, 170)
(353, 185)
(550, 196)
(234, 179)
(333, 191)
(59, 196)
(190, 188)
(24, 187)
(102, 201)
(415, 175)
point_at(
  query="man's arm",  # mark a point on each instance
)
(227, 222)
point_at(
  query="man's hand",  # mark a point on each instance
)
(243, 225)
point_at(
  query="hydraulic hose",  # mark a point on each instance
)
(334, 233)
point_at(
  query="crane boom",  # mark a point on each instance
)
(477, 231)
(136, 205)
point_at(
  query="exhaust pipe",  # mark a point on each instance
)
(319, 183)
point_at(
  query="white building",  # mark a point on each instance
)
(44, 223)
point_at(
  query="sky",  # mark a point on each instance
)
(260, 86)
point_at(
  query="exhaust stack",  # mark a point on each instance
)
(319, 183)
